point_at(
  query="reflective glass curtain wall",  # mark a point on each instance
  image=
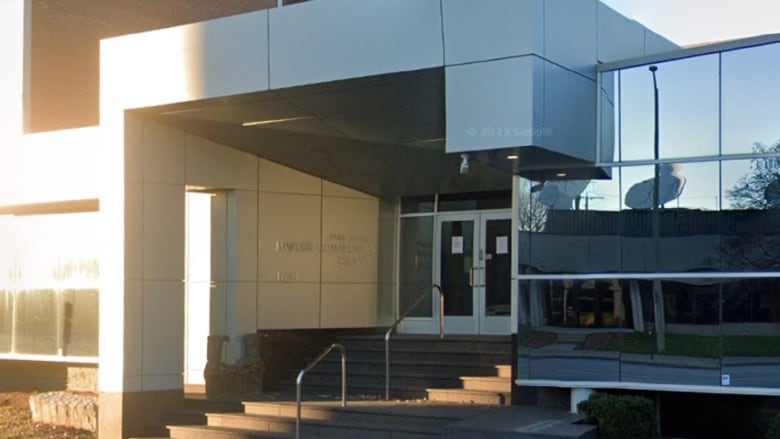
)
(669, 271)
(48, 285)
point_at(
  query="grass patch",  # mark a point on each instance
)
(751, 346)
(16, 421)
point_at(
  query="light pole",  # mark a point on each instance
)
(653, 69)
(658, 296)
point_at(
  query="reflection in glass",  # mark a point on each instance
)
(699, 345)
(610, 111)
(636, 225)
(587, 304)
(751, 222)
(753, 184)
(36, 322)
(579, 235)
(6, 320)
(752, 301)
(751, 319)
(636, 114)
(475, 201)
(750, 95)
(710, 217)
(418, 204)
(692, 301)
(700, 187)
(532, 213)
(688, 109)
(80, 322)
(498, 282)
(457, 267)
(416, 271)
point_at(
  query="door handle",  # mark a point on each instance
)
(472, 271)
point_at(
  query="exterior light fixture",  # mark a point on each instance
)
(254, 123)
(512, 157)
(560, 174)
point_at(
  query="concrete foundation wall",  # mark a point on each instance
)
(43, 376)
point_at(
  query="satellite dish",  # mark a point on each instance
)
(560, 194)
(670, 186)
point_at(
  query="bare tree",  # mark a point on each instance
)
(752, 238)
(759, 189)
(532, 213)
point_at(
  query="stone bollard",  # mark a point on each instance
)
(65, 409)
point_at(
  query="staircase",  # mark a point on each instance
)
(453, 388)
(389, 420)
(454, 369)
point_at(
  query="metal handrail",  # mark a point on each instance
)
(398, 321)
(313, 363)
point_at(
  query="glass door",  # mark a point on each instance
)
(474, 272)
(496, 275)
(458, 271)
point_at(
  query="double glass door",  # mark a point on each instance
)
(474, 270)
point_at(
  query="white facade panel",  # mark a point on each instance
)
(131, 363)
(163, 233)
(242, 236)
(491, 104)
(325, 41)
(618, 37)
(214, 58)
(570, 37)
(569, 112)
(163, 154)
(163, 310)
(213, 165)
(479, 31)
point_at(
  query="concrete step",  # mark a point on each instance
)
(454, 357)
(208, 432)
(353, 427)
(490, 384)
(199, 402)
(379, 412)
(313, 391)
(411, 381)
(449, 343)
(393, 420)
(470, 396)
(186, 417)
(376, 366)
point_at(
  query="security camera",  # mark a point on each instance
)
(464, 163)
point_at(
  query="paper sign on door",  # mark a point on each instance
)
(457, 245)
(502, 245)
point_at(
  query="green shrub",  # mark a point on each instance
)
(773, 432)
(620, 416)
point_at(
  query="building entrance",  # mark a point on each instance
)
(473, 268)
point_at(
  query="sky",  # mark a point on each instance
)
(687, 22)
